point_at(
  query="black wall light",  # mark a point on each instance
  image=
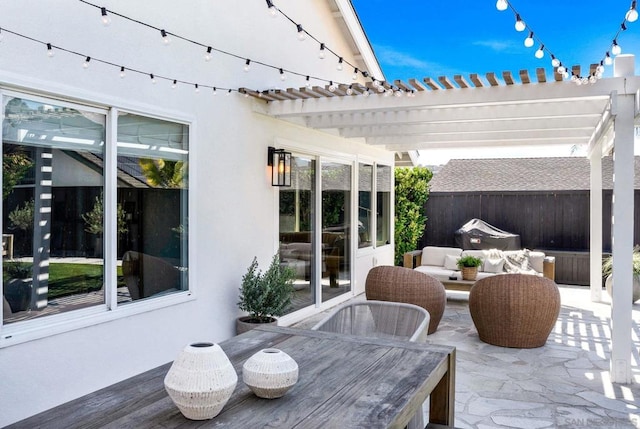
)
(280, 162)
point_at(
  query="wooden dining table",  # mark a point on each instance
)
(344, 381)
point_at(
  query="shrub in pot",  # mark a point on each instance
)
(469, 267)
(18, 285)
(607, 273)
(264, 296)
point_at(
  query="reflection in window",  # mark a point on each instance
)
(336, 234)
(152, 197)
(384, 180)
(52, 212)
(365, 185)
(297, 215)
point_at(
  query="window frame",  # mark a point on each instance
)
(37, 328)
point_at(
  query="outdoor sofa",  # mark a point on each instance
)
(441, 262)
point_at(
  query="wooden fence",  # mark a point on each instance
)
(556, 222)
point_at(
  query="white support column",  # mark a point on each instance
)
(623, 202)
(595, 226)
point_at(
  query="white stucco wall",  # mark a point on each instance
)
(234, 216)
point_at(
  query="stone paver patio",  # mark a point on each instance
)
(564, 384)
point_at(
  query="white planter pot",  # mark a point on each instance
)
(270, 373)
(636, 287)
(201, 381)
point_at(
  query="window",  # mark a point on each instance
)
(384, 181)
(56, 176)
(365, 189)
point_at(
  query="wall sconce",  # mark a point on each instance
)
(280, 162)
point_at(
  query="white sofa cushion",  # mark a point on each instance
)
(493, 265)
(433, 255)
(536, 261)
(451, 262)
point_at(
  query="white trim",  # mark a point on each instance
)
(283, 143)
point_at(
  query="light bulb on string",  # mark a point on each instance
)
(301, 34)
(540, 52)
(106, 19)
(283, 76)
(607, 59)
(122, 72)
(380, 88)
(519, 25)
(174, 84)
(554, 61)
(561, 69)
(350, 90)
(502, 5)
(308, 82)
(247, 65)
(50, 51)
(355, 74)
(207, 55)
(197, 89)
(215, 91)
(528, 42)
(272, 9)
(397, 93)
(366, 93)
(153, 78)
(615, 48)
(85, 65)
(565, 75)
(165, 37)
(321, 54)
(229, 92)
(332, 87)
(339, 66)
(632, 13)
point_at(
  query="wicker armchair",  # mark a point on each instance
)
(514, 310)
(399, 284)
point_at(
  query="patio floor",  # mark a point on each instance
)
(564, 384)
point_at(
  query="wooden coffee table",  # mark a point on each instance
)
(461, 285)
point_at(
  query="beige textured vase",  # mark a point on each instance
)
(270, 373)
(201, 380)
(469, 273)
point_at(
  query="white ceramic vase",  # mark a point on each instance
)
(270, 373)
(201, 380)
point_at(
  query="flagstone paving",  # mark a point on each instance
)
(564, 384)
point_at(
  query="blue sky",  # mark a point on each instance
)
(418, 38)
(422, 38)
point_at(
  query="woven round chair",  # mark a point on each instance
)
(399, 284)
(514, 310)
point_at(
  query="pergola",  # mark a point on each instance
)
(487, 113)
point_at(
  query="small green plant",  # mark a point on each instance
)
(607, 264)
(17, 270)
(265, 296)
(22, 217)
(94, 218)
(469, 262)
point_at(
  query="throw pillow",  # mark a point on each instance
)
(493, 265)
(451, 262)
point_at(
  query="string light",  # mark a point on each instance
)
(215, 91)
(519, 25)
(301, 34)
(528, 42)
(50, 51)
(165, 37)
(85, 65)
(174, 84)
(339, 66)
(355, 74)
(554, 61)
(607, 59)
(247, 65)
(502, 5)
(153, 78)
(229, 92)
(207, 55)
(615, 48)
(272, 9)
(321, 54)
(197, 89)
(282, 75)
(350, 90)
(122, 72)
(540, 52)
(632, 13)
(366, 93)
(308, 82)
(106, 19)
(332, 87)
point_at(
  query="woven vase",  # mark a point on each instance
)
(469, 273)
(201, 380)
(270, 373)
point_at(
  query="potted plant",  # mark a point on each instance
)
(469, 267)
(93, 220)
(18, 285)
(607, 273)
(264, 296)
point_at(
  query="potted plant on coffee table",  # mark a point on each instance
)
(469, 267)
(264, 296)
